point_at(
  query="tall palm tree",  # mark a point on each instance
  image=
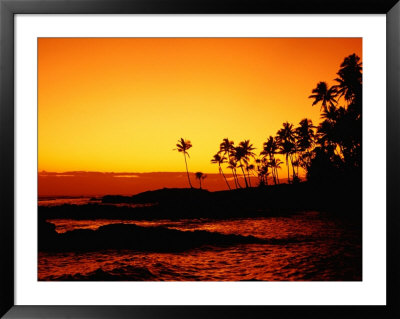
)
(218, 159)
(239, 156)
(233, 165)
(324, 94)
(275, 164)
(262, 171)
(227, 148)
(270, 148)
(183, 146)
(336, 128)
(249, 168)
(350, 79)
(305, 140)
(200, 176)
(287, 149)
(287, 144)
(243, 153)
(305, 134)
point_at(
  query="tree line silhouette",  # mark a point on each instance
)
(328, 153)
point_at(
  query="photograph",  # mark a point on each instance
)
(200, 159)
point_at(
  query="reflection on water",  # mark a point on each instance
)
(57, 201)
(325, 249)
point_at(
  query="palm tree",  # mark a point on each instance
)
(330, 114)
(287, 149)
(324, 94)
(262, 171)
(200, 176)
(227, 148)
(249, 168)
(338, 136)
(287, 145)
(233, 165)
(243, 152)
(270, 148)
(183, 146)
(305, 140)
(305, 134)
(239, 155)
(275, 164)
(350, 79)
(218, 159)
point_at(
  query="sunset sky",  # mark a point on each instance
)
(120, 105)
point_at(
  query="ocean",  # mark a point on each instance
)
(303, 246)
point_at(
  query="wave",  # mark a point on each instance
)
(127, 273)
(128, 236)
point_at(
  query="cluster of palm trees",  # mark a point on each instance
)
(337, 153)
(236, 157)
(330, 149)
(292, 143)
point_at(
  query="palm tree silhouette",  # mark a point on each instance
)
(270, 148)
(275, 164)
(183, 146)
(218, 159)
(239, 154)
(262, 170)
(249, 168)
(287, 149)
(233, 165)
(287, 144)
(330, 113)
(350, 79)
(243, 152)
(305, 140)
(305, 134)
(227, 148)
(323, 94)
(333, 131)
(200, 176)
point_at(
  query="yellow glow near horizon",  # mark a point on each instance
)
(120, 105)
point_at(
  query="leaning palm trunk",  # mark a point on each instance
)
(277, 177)
(248, 176)
(237, 179)
(294, 172)
(273, 173)
(187, 171)
(244, 176)
(234, 178)
(287, 164)
(226, 181)
(273, 168)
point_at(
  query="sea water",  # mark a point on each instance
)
(300, 246)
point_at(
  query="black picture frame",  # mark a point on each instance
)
(8, 8)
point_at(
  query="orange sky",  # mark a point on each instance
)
(120, 105)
